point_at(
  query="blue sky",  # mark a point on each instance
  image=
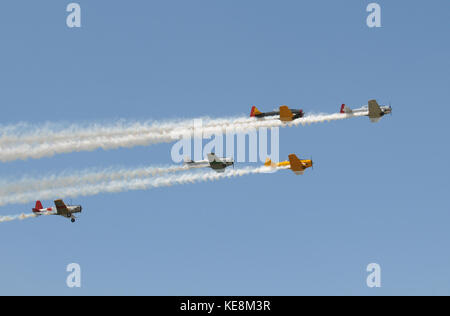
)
(378, 192)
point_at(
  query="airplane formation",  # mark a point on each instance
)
(219, 164)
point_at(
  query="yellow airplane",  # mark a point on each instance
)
(296, 165)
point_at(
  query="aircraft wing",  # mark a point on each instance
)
(213, 158)
(374, 109)
(61, 208)
(296, 165)
(285, 114)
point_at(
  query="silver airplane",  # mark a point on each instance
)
(61, 209)
(214, 162)
(374, 111)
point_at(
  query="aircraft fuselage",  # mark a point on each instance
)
(296, 114)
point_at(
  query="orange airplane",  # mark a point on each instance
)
(285, 113)
(296, 165)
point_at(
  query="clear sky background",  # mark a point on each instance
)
(378, 193)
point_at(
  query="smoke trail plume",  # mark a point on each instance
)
(28, 134)
(127, 185)
(78, 178)
(21, 217)
(48, 141)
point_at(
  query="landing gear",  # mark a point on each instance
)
(73, 220)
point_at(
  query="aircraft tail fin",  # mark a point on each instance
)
(38, 206)
(345, 109)
(255, 111)
(286, 114)
(268, 162)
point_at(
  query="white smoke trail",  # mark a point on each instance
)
(10, 218)
(127, 185)
(47, 143)
(28, 134)
(77, 178)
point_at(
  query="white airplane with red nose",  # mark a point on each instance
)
(60, 209)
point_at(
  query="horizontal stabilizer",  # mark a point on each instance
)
(345, 109)
(255, 111)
